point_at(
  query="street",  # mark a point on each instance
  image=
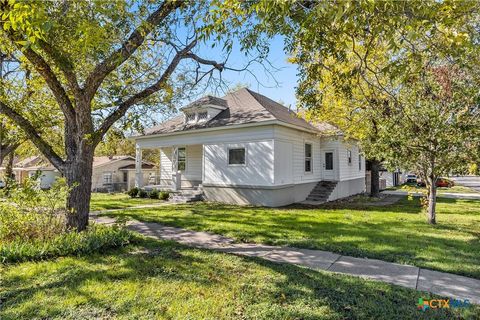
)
(467, 181)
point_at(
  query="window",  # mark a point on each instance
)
(125, 176)
(236, 156)
(190, 117)
(107, 178)
(359, 162)
(308, 157)
(349, 157)
(202, 116)
(328, 160)
(182, 159)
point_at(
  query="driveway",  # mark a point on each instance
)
(467, 181)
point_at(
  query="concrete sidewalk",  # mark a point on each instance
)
(445, 284)
(466, 196)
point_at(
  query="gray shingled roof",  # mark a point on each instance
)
(208, 100)
(244, 107)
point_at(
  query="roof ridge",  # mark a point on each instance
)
(253, 93)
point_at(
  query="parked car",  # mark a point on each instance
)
(2, 184)
(411, 178)
(441, 183)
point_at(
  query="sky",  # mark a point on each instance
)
(282, 87)
(279, 84)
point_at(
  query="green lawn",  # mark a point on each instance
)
(454, 189)
(105, 201)
(163, 280)
(396, 233)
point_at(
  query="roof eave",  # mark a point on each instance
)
(243, 125)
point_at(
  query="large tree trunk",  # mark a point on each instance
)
(9, 167)
(78, 173)
(375, 178)
(432, 200)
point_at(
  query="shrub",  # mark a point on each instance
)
(29, 213)
(164, 195)
(133, 192)
(96, 238)
(153, 194)
(142, 194)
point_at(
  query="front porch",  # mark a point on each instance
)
(180, 168)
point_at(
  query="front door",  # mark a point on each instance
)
(328, 165)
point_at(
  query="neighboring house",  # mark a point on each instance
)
(117, 173)
(245, 148)
(30, 166)
(114, 173)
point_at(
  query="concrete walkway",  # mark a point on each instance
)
(466, 196)
(444, 284)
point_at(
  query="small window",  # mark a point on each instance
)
(107, 178)
(190, 117)
(125, 176)
(308, 157)
(182, 159)
(236, 156)
(202, 116)
(359, 162)
(349, 157)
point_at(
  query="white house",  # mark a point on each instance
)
(245, 148)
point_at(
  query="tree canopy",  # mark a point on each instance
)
(97, 63)
(401, 77)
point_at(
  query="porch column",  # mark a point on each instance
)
(176, 178)
(138, 168)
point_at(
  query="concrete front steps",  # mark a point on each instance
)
(187, 195)
(321, 192)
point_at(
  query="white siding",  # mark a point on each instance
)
(166, 163)
(297, 140)
(257, 171)
(283, 162)
(350, 171)
(47, 178)
(194, 162)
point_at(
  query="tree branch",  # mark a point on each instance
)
(47, 73)
(6, 149)
(125, 105)
(102, 70)
(63, 64)
(33, 135)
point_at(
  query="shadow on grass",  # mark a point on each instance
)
(265, 290)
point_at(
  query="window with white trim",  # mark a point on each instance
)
(349, 157)
(359, 162)
(107, 178)
(236, 157)
(308, 157)
(182, 159)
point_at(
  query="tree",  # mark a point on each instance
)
(106, 61)
(373, 69)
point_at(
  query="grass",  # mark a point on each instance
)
(96, 238)
(163, 280)
(106, 201)
(397, 233)
(454, 189)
